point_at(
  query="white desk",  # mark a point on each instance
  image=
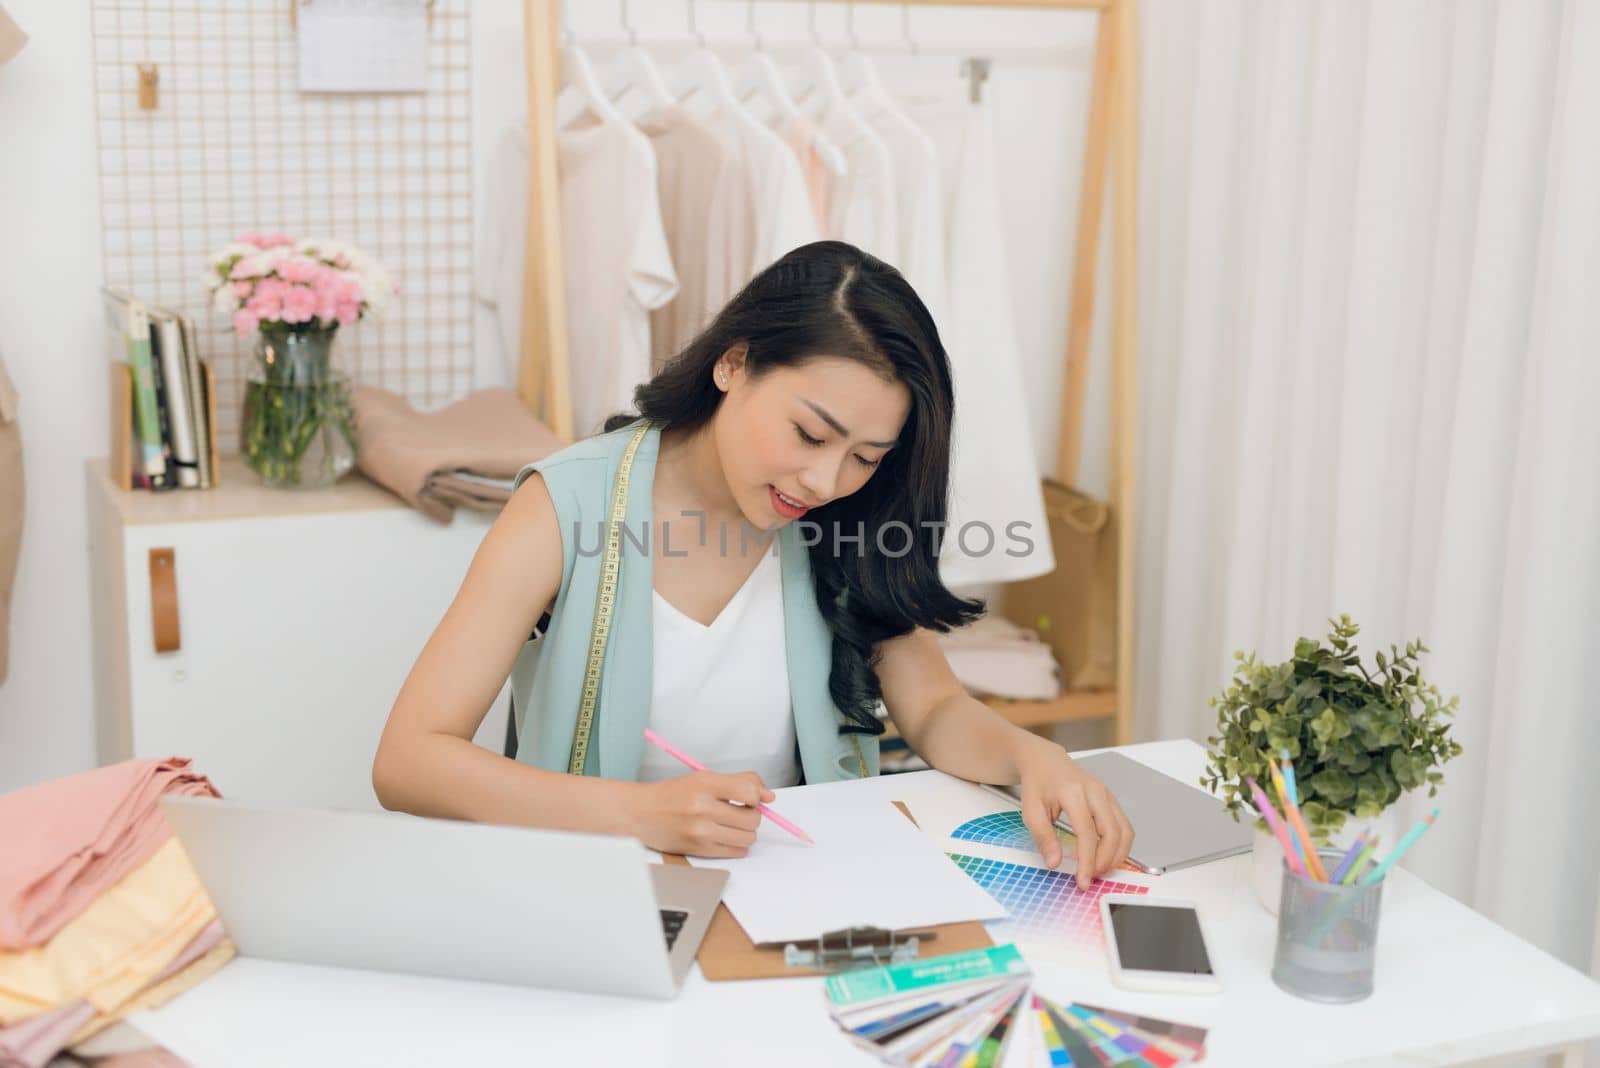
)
(1451, 988)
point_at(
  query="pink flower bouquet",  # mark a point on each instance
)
(308, 284)
(297, 424)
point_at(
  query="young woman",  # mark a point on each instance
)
(774, 578)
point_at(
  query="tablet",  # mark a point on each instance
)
(1175, 825)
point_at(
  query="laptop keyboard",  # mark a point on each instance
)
(671, 923)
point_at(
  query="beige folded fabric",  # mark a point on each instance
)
(463, 492)
(487, 433)
(35, 1041)
(116, 947)
(162, 991)
(996, 658)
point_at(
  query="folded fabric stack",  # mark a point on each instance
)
(996, 658)
(101, 913)
(461, 456)
(966, 1010)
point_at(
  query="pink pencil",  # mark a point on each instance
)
(1270, 814)
(677, 754)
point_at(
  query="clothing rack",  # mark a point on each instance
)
(544, 380)
(666, 48)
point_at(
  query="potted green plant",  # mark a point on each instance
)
(1358, 739)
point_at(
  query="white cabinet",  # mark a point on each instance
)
(299, 614)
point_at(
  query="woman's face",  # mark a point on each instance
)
(798, 437)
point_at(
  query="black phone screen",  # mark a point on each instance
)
(1159, 938)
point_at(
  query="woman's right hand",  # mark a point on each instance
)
(701, 814)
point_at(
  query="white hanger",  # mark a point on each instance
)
(760, 77)
(634, 69)
(578, 75)
(858, 76)
(704, 72)
(817, 76)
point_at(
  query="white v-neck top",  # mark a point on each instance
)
(720, 693)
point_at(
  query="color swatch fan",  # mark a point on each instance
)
(1079, 1035)
(970, 1010)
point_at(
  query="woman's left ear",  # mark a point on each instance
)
(730, 363)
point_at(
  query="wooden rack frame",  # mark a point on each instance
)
(544, 379)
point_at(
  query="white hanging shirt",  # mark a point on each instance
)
(994, 473)
(497, 274)
(690, 164)
(720, 693)
(614, 251)
(756, 208)
(862, 202)
(919, 200)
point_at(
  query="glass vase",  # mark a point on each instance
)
(298, 424)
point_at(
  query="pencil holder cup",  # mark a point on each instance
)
(1327, 936)
(1266, 861)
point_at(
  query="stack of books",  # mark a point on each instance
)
(163, 410)
(969, 1009)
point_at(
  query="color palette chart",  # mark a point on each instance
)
(1006, 830)
(1047, 911)
(1000, 829)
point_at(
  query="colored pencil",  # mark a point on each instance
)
(1349, 858)
(1270, 814)
(1288, 777)
(1291, 813)
(683, 758)
(1400, 850)
(1338, 910)
(1361, 861)
(1281, 788)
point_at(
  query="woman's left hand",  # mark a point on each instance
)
(1052, 784)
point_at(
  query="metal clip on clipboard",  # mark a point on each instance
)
(852, 948)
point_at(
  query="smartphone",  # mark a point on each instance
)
(1158, 944)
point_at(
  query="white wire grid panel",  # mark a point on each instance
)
(234, 146)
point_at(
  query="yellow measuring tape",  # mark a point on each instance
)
(605, 599)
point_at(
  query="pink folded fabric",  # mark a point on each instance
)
(489, 432)
(69, 840)
(154, 1057)
(32, 1043)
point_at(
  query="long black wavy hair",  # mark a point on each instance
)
(830, 298)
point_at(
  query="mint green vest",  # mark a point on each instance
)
(548, 675)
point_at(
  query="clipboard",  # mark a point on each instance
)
(728, 953)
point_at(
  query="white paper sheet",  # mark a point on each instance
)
(870, 866)
(363, 46)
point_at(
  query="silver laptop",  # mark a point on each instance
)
(1175, 825)
(387, 892)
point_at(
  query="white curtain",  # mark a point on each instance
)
(1369, 368)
